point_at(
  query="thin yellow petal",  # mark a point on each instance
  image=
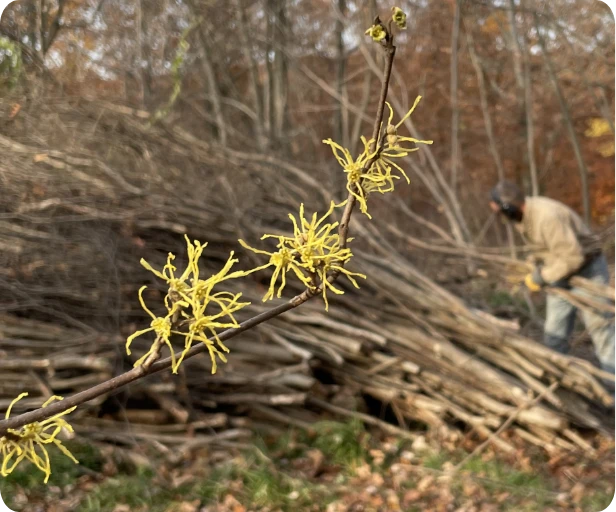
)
(408, 114)
(8, 411)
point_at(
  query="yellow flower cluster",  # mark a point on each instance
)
(312, 254)
(30, 441)
(379, 33)
(194, 310)
(371, 171)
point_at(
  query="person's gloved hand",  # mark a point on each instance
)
(530, 283)
(533, 281)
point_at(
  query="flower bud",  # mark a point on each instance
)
(376, 32)
(392, 135)
(399, 17)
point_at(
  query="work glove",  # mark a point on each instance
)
(530, 284)
(533, 281)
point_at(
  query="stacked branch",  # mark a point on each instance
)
(77, 220)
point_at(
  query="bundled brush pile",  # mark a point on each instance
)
(90, 188)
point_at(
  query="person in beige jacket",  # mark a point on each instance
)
(566, 247)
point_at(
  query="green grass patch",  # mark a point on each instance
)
(135, 491)
(503, 299)
(345, 444)
(213, 488)
(436, 460)
(497, 476)
(596, 501)
(274, 476)
(500, 298)
(265, 485)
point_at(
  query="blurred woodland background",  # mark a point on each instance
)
(125, 124)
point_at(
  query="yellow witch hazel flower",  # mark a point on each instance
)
(283, 260)
(178, 284)
(376, 32)
(323, 272)
(30, 441)
(399, 17)
(371, 171)
(314, 241)
(201, 321)
(161, 326)
(311, 254)
(394, 143)
(392, 130)
(355, 169)
(368, 173)
(194, 310)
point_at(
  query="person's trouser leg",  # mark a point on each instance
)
(559, 322)
(600, 325)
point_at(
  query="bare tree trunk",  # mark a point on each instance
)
(139, 51)
(269, 91)
(455, 112)
(42, 25)
(483, 99)
(51, 30)
(517, 51)
(210, 76)
(530, 126)
(255, 85)
(340, 65)
(345, 115)
(36, 29)
(487, 120)
(522, 74)
(604, 107)
(280, 70)
(564, 107)
(341, 118)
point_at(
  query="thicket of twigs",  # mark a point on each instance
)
(91, 187)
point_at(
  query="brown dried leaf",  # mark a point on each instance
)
(577, 492)
(489, 507)
(232, 505)
(185, 506)
(411, 496)
(425, 483)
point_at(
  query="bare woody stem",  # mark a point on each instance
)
(153, 367)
